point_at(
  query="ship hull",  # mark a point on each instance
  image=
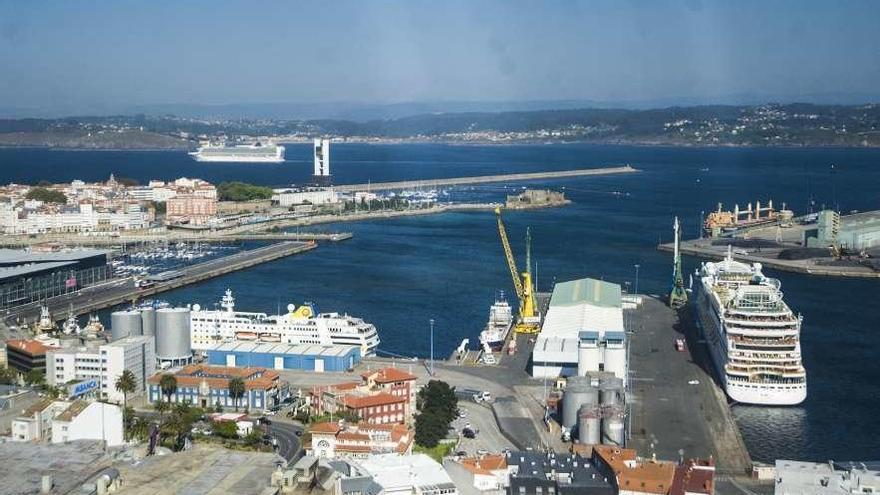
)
(237, 159)
(753, 393)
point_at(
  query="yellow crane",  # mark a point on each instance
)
(529, 320)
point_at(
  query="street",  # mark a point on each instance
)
(288, 441)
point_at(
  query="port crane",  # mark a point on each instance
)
(529, 320)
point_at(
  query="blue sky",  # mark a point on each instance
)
(101, 54)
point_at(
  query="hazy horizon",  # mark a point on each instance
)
(70, 58)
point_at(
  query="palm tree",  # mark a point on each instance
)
(168, 385)
(126, 383)
(236, 390)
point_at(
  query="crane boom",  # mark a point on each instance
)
(508, 253)
(529, 318)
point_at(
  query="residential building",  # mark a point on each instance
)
(358, 440)
(104, 362)
(309, 195)
(190, 209)
(826, 478)
(35, 423)
(25, 356)
(631, 475)
(694, 477)
(481, 475)
(89, 421)
(206, 386)
(535, 473)
(582, 331)
(383, 396)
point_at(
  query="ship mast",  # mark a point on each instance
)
(677, 294)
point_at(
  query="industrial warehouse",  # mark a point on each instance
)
(308, 357)
(27, 276)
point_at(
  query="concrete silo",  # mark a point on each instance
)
(173, 343)
(578, 391)
(125, 323)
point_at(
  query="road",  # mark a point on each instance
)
(488, 437)
(289, 445)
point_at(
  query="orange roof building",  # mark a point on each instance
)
(384, 396)
(207, 386)
(634, 476)
(26, 355)
(338, 439)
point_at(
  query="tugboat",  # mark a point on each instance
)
(94, 327)
(71, 327)
(45, 324)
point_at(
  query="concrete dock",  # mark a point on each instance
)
(483, 179)
(119, 291)
(716, 249)
(21, 241)
(676, 402)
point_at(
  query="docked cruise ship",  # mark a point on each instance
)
(302, 325)
(752, 334)
(498, 326)
(257, 153)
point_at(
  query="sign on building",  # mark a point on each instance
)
(83, 387)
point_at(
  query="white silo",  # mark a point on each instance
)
(589, 424)
(148, 321)
(173, 343)
(125, 323)
(589, 356)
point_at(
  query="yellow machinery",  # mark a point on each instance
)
(529, 320)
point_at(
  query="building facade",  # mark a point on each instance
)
(105, 364)
(206, 386)
(358, 440)
(383, 396)
(25, 356)
(191, 209)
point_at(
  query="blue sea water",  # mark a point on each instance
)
(399, 273)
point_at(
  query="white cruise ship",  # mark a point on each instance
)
(498, 326)
(257, 153)
(301, 325)
(752, 334)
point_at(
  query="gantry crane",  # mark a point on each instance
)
(529, 320)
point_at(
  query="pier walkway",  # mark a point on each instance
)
(483, 179)
(119, 291)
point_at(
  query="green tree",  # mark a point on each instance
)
(430, 428)
(35, 378)
(7, 376)
(168, 385)
(241, 191)
(236, 390)
(161, 407)
(126, 383)
(225, 429)
(438, 397)
(46, 195)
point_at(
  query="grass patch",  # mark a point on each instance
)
(437, 453)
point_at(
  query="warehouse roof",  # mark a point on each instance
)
(586, 290)
(296, 350)
(21, 270)
(19, 256)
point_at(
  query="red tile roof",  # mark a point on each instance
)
(218, 377)
(695, 476)
(388, 375)
(381, 399)
(32, 347)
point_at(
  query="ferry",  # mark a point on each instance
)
(498, 326)
(300, 325)
(241, 153)
(752, 334)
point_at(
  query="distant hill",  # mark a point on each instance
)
(796, 124)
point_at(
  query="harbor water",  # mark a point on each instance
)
(400, 273)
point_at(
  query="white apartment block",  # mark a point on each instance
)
(84, 217)
(89, 421)
(104, 363)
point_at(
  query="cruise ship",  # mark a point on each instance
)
(498, 326)
(302, 325)
(752, 334)
(257, 153)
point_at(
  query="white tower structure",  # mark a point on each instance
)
(322, 162)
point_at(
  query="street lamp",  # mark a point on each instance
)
(637, 278)
(431, 321)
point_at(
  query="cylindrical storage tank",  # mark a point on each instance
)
(148, 321)
(578, 392)
(589, 425)
(613, 427)
(611, 391)
(172, 335)
(125, 323)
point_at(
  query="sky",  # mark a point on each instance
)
(101, 55)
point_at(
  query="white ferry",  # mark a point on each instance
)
(498, 326)
(256, 153)
(302, 325)
(752, 334)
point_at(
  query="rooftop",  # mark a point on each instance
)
(582, 471)
(73, 411)
(297, 350)
(634, 474)
(485, 464)
(70, 465)
(388, 375)
(586, 290)
(398, 472)
(32, 347)
(219, 376)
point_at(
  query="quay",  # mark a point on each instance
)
(483, 179)
(716, 249)
(120, 291)
(9, 241)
